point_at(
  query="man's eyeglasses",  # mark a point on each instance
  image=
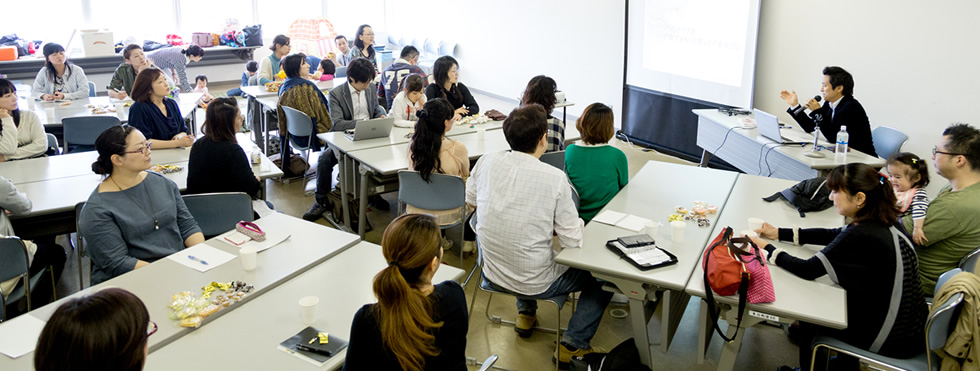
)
(936, 150)
(151, 328)
(142, 150)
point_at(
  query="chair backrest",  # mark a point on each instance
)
(447, 48)
(431, 46)
(888, 141)
(298, 124)
(341, 72)
(441, 192)
(83, 130)
(969, 262)
(14, 262)
(79, 234)
(217, 213)
(556, 159)
(53, 144)
(938, 324)
(488, 363)
(945, 277)
(91, 89)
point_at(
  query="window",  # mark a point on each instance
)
(132, 22)
(26, 19)
(213, 16)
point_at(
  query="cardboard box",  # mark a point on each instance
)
(97, 43)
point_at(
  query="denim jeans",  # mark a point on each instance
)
(591, 304)
(235, 92)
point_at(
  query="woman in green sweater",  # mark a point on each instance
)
(597, 170)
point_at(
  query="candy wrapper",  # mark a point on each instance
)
(166, 169)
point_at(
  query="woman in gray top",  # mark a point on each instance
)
(41, 254)
(134, 217)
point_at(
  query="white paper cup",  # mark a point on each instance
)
(49, 114)
(652, 229)
(677, 231)
(755, 223)
(249, 256)
(307, 307)
(481, 131)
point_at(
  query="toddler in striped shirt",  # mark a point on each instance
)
(909, 176)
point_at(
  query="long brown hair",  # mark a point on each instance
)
(219, 122)
(880, 204)
(403, 312)
(143, 86)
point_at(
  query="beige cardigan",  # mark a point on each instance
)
(23, 141)
(962, 349)
(454, 160)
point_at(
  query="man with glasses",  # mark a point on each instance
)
(952, 226)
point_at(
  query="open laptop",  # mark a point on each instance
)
(370, 129)
(769, 127)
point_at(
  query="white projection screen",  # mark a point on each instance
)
(700, 49)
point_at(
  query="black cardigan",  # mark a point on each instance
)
(220, 167)
(458, 96)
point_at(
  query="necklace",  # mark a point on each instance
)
(156, 224)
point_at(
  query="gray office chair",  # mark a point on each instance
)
(441, 192)
(80, 245)
(15, 263)
(53, 147)
(341, 72)
(937, 332)
(969, 262)
(91, 89)
(298, 124)
(556, 159)
(888, 141)
(217, 213)
(81, 131)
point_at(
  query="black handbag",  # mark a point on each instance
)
(253, 35)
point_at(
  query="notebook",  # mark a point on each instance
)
(305, 345)
(644, 257)
(625, 221)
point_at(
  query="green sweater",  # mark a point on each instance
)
(597, 173)
(953, 230)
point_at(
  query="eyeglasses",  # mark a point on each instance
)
(151, 328)
(142, 150)
(936, 150)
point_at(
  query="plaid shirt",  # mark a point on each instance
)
(556, 135)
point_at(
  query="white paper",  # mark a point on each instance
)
(212, 256)
(609, 217)
(259, 206)
(19, 335)
(633, 223)
(272, 238)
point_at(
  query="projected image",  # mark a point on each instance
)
(699, 39)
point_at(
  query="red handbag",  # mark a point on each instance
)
(729, 269)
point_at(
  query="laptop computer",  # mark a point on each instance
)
(769, 127)
(370, 129)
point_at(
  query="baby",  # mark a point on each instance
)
(201, 86)
(909, 176)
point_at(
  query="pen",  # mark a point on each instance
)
(314, 350)
(194, 258)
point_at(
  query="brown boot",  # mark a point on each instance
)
(524, 324)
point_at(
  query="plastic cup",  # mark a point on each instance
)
(307, 307)
(755, 223)
(651, 229)
(677, 231)
(249, 256)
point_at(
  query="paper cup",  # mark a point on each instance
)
(677, 231)
(49, 114)
(651, 229)
(481, 131)
(248, 256)
(755, 223)
(307, 307)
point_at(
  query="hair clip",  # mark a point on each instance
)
(881, 178)
(914, 161)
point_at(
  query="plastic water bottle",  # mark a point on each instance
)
(842, 138)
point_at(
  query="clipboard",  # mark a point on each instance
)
(645, 257)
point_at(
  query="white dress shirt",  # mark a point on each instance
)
(520, 202)
(359, 104)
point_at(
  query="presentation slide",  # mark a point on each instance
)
(700, 49)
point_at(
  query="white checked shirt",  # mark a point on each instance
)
(520, 202)
(358, 101)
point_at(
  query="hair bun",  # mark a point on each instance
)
(422, 114)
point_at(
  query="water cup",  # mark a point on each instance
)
(307, 307)
(481, 131)
(755, 223)
(677, 231)
(651, 229)
(249, 256)
(49, 114)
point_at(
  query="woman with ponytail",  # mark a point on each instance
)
(870, 258)
(415, 325)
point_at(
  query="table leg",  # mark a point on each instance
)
(729, 350)
(674, 304)
(705, 157)
(343, 188)
(268, 137)
(704, 332)
(640, 315)
(362, 215)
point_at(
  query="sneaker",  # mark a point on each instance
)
(379, 203)
(469, 246)
(316, 212)
(446, 244)
(524, 324)
(565, 355)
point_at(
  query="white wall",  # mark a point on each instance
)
(914, 63)
(503, 43)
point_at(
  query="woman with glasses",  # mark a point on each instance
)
(107, 330)
(217, 163)
(155, 115)
(541, 90)
(133, 217)
(364, 45)
(447, 86)
(415, 325)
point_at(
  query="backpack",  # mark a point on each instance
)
(624, 357)
(253, 35)
(808, 195)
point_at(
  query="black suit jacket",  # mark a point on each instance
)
(849, 112)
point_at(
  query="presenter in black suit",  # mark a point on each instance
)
(839, 108)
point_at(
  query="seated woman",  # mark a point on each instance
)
(217, 163)
(364, 45)
(299, 93)
(269, 66)
(870, 258)
(59, 79)
(174, 61)
(541, 90)
(447, 86)
(21, 132)
(106, 330)
(43, 254)
(597, 170)
(155, 115)
(415, 325)
(133, 217)
(134, 62)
